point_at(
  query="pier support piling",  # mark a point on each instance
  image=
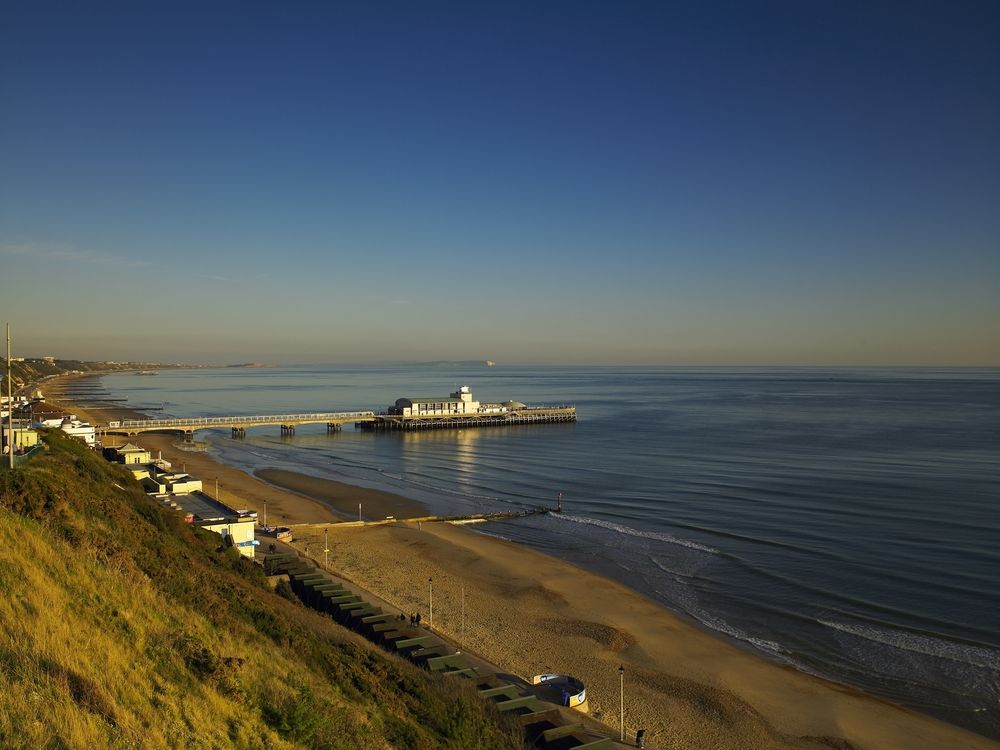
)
(287, 429)
(239, 432)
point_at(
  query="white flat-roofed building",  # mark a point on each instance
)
(458, 403)
(82, 430)
(158, 482)
(235, 527)
(181, 484)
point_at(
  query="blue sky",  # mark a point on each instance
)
(718, 182)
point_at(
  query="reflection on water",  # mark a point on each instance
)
(459, 444)
(843, 521)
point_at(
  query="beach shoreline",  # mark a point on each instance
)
(687, 686)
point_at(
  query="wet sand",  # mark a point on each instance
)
(531, 613)
(344, 498)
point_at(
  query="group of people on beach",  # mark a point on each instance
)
(414, 619)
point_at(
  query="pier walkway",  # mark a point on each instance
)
(527, 415)
(335, 420)
(238, 424)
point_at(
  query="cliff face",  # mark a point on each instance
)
(120, 626)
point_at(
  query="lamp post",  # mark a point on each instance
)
(10, 405)
(461, 640)
(326, 548)
(359, 513)
(265, 514)
(430, 597)
(621, 701)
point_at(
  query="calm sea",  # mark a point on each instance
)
(842, 521)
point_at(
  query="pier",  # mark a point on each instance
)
(527, 415)
(238, 424)
(452, 412)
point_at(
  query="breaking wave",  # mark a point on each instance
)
(975, 656)
(721, 626)
(629, 531)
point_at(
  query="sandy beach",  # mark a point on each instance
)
(531, 613)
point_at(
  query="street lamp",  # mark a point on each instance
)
(621, 702)
(430, 596)
(10, 405)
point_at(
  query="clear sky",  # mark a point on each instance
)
(570, 182)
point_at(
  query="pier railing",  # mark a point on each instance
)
(334, 420)
(228, 421)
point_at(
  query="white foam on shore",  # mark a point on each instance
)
(721, 626)
(677, 575)
(629, 531)
(975, 656)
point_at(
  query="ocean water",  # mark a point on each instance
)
(846, 522)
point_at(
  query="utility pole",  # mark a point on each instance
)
(359, 513)
(10, 405)
(216, 488)
(265, 514)
(326, 548)
(430, 596)
(461, 640)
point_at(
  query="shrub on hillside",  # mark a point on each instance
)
(33, 492)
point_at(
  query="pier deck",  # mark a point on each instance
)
(366, 420)
(285, 421)
(527, 415)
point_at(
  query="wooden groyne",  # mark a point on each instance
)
(503, 515)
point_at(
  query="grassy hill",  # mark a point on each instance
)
(121, 627)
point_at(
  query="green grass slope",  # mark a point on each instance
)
(122, 627)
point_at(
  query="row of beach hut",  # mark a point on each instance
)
(544, 728)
